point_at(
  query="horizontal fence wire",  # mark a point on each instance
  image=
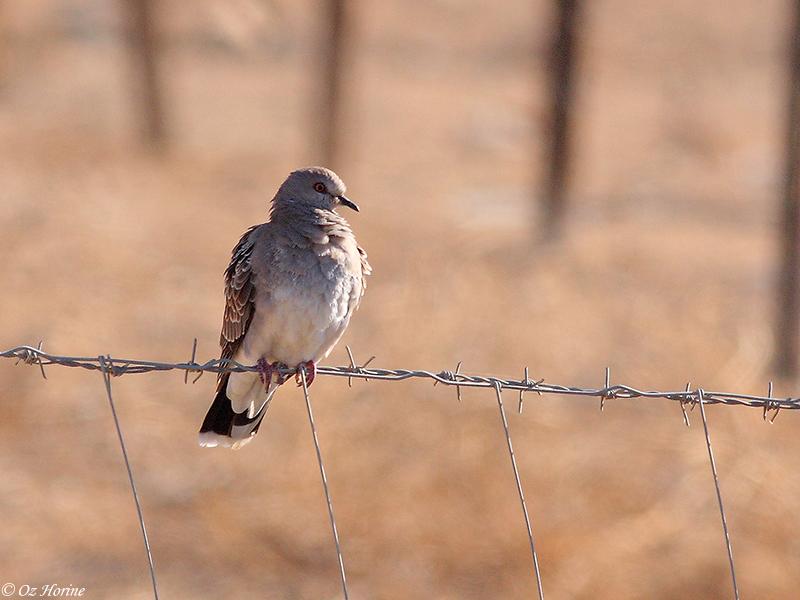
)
(109, 367)
(687, 396)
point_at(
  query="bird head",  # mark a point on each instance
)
(315, 187)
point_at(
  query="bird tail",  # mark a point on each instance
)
(225, 427)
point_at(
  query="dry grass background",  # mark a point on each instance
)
(665, 274)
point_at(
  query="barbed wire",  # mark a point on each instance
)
(688, 396)
(116, 367)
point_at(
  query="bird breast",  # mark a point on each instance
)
(300, 314)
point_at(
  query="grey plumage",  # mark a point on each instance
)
(291, 287)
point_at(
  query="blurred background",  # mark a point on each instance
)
(138, 140)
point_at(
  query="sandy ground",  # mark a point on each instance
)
(665, 274)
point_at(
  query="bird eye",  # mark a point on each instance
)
(319, 187)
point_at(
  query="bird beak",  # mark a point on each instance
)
(348, 203)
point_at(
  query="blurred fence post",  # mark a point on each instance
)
(788, 321)
(561, 68)
(4, 49)
(329, 112)
(146, 82)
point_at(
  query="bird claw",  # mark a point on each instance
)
(266, 371)
(310, 368)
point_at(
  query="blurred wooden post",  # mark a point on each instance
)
(4, 49)
(788, 322)
(330, 113)
(561, 68)
(146, 83)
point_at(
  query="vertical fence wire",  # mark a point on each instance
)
(302, 373)
(504, 420)
(106, 364)
(719, 493)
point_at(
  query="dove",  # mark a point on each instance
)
(291, 288)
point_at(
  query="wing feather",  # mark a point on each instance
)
(239, 295)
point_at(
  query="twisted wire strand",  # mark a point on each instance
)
(128, 366)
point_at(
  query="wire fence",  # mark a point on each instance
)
(687, 397)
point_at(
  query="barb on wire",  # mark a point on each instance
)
(499, 392)
(701, 401)
(194, 364)
(302, 372)
(684, 403)
(32, 355)
(606, 393)
(355, 367)
(451, 376)
(768, 406)
(41, 366)
(107, 370)
(527, 381)
(125, 366)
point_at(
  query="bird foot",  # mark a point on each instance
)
(266, 371)
(311, 372)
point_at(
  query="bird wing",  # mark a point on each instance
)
(240, 294)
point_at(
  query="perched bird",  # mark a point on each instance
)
(290, 290)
